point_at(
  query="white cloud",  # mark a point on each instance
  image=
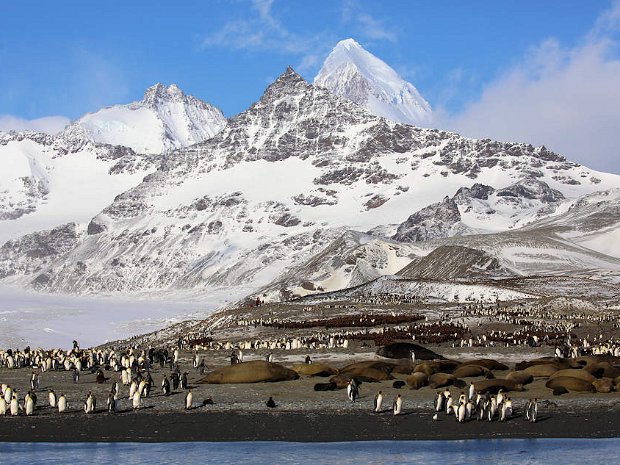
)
(47, 124)
(264, 32)
(566, 99)
(365, 25)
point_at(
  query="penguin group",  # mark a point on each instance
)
(472, 405)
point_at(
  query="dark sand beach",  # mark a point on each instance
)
(305, 426)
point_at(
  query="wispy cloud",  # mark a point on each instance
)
(47, 124)
(364, 24)
(565, 98)
(263, 31)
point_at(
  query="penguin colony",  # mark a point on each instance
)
(128, 372)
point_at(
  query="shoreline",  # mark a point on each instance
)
(296, 426)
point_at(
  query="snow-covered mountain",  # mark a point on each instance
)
(358, 75)
(481, 209)
(165, 119)
(284, 180)
(49, 180)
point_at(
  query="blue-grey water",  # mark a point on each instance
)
(485, 451)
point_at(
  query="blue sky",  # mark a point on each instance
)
(68, 58)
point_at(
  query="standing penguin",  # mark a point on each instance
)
(76, 376)
(111, 402)
(462, 411)
(90, 403)
(115, 390)
(184, 380)
(165, 386)
(14, 406)
(526, 411)
(62, 403)
(51, 398)
(28, 405)
(175, 380)
(3, 406)
(34, 381)
(449, 405)
(8, 394)
(132, 389)
(378, 401)
(439, 399)
(471, 392)
(136, 400)
(352, 390)
(534, 411)
(189, 397)
(398, 405)
(271, 403)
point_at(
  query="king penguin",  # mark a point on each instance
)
(136, 400)
(62, 403)
(188, 399)
(3, 406)
(398, 405)
(14, 406)
(378, 401)
(51, 397)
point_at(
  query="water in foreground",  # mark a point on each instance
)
(484, 451)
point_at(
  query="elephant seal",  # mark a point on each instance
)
(571, 384)
(487, 363)
(574, 373)
(602, 369)
(520, 377)
(313, 369)
(417, 380)
(256, 371)
(437, 380)
(543, 370)
(603, 385)
(492, 386)
(560, 364)
(404, 349)
(367, 375)
(385, 367)
(471, 371)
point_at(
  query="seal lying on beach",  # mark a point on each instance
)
(603, 385)
(487, 363)
(570, 384)
(558, 364)
(543, 370)
(256, 371)
(520, 377)
(417, 380)
(404, 349)
(574, 373)
(314, 369)
(492, 386)
(440, 366)
(472, 371)
(437, 380)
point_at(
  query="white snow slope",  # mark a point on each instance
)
(165, 119)
(354, 73)
(48, 180)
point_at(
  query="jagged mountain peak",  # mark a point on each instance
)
(165, 119)
(160, 93)
(353, 72)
